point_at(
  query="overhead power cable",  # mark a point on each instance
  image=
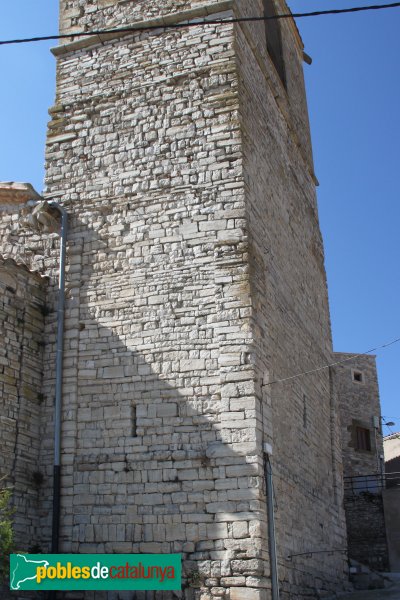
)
(334, 364)
(195, 23)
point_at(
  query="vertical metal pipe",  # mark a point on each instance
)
(271, 528)
(59, 372)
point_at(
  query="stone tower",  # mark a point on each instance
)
(195, 283)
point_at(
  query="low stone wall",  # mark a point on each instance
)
(391, 502)
(366, 530)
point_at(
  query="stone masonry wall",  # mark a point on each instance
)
(81, 15)
(357, 386)
(366, 530)
(76, 15)
(22, 300)
(160, 431)
(359, 406)
(290, 318)
(195, 278)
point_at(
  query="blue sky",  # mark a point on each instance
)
(353, 90)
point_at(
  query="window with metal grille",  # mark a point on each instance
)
(363, 439)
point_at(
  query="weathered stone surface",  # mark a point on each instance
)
(356, 384)
(22, 299)
(243, 593)
(195, 278)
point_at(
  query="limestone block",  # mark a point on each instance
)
(243, 593)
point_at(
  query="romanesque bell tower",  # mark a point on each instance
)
(195, 285)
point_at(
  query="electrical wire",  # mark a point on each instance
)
(334, 364)
(138, 27)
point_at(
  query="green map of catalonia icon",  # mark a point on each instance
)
(24, 570)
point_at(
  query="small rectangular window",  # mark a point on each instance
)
(357, 376)
(363, 439)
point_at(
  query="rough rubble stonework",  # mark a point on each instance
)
(357, 385)
(22, 301)
(195, 280)
(359, 406)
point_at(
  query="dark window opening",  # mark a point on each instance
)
(133, 420)
(357, 376)
(305, 416)
(274, 39)
(363, 439)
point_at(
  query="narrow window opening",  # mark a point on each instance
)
(305, 418)
(274, 39)
(133, 421)
(358, 376)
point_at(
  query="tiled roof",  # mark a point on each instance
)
(13, 192)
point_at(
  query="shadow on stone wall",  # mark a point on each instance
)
(366, 533)
(151, 464)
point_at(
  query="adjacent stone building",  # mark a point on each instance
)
(363, 459)
(391, 445)
(22, 302)
(360, 414)
(196, 289)
(391, 498)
